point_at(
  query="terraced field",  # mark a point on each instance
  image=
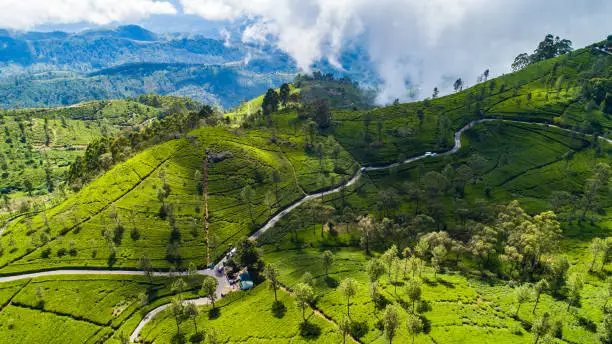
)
(153, 205)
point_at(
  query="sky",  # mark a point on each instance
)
(412, 43)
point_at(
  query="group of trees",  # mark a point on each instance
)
(550, 47)
(182, 309)
(104, 152)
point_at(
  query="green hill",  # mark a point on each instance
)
(37, 146)
(471, 251)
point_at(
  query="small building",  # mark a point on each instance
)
(246, 282)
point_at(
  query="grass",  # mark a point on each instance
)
(28, 149)
(80, 309)
(130, 189)
(239, 323)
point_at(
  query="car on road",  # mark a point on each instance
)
(428, 153)
(363, 170)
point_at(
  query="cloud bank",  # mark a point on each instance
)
(413, 43)
(26, 14)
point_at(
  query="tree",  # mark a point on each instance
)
(348, 288)
(27, 184)
(344, 327)
(209, 289)
(375, 269)
(269, 104)
(538, 288)
(367, 226)
(328, 260)
(421, 116)
(435, 93)
(414, 325)
(308, 278)
(321, 113)
(597, 246)
(206, 111)
(575, 283)
(246, 254)
(179, 286)
(144, 264)
(390, 321)
(271, 273)
(486, 74)
(558, 272)
(304, 294)
(348, 216)
(439, 255)
(520, 62)
(541, 326)
(284, 94)
(521, 295)
(374, 293)
(192, 311)
(177, 309)
(413, 291)
(246, 195)
(458, 84)
(388, 257)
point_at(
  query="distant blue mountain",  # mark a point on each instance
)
(60, 68)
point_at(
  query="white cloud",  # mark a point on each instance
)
(413, 42)
(26, 14)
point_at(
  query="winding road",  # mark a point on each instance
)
(222, 280)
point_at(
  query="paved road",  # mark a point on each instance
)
(271, 222)
(223, 283)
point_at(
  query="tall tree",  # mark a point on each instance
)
(390, 321)
(435, 93)
(520, 62)
(328, 260)
(597, 246)
(538, 288)
(209, 289)
(458, 85)
(575, 283)
(348, 288)
(375, 268)
(344, 327)
(413, 291)
(414, 325)
(388, 258)
(144, 264)
(284, 94)
(522, 295)
(541, 326)
(177, 309)
(269, 104)
(191, 311)
(304, 294)
(271, 273)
